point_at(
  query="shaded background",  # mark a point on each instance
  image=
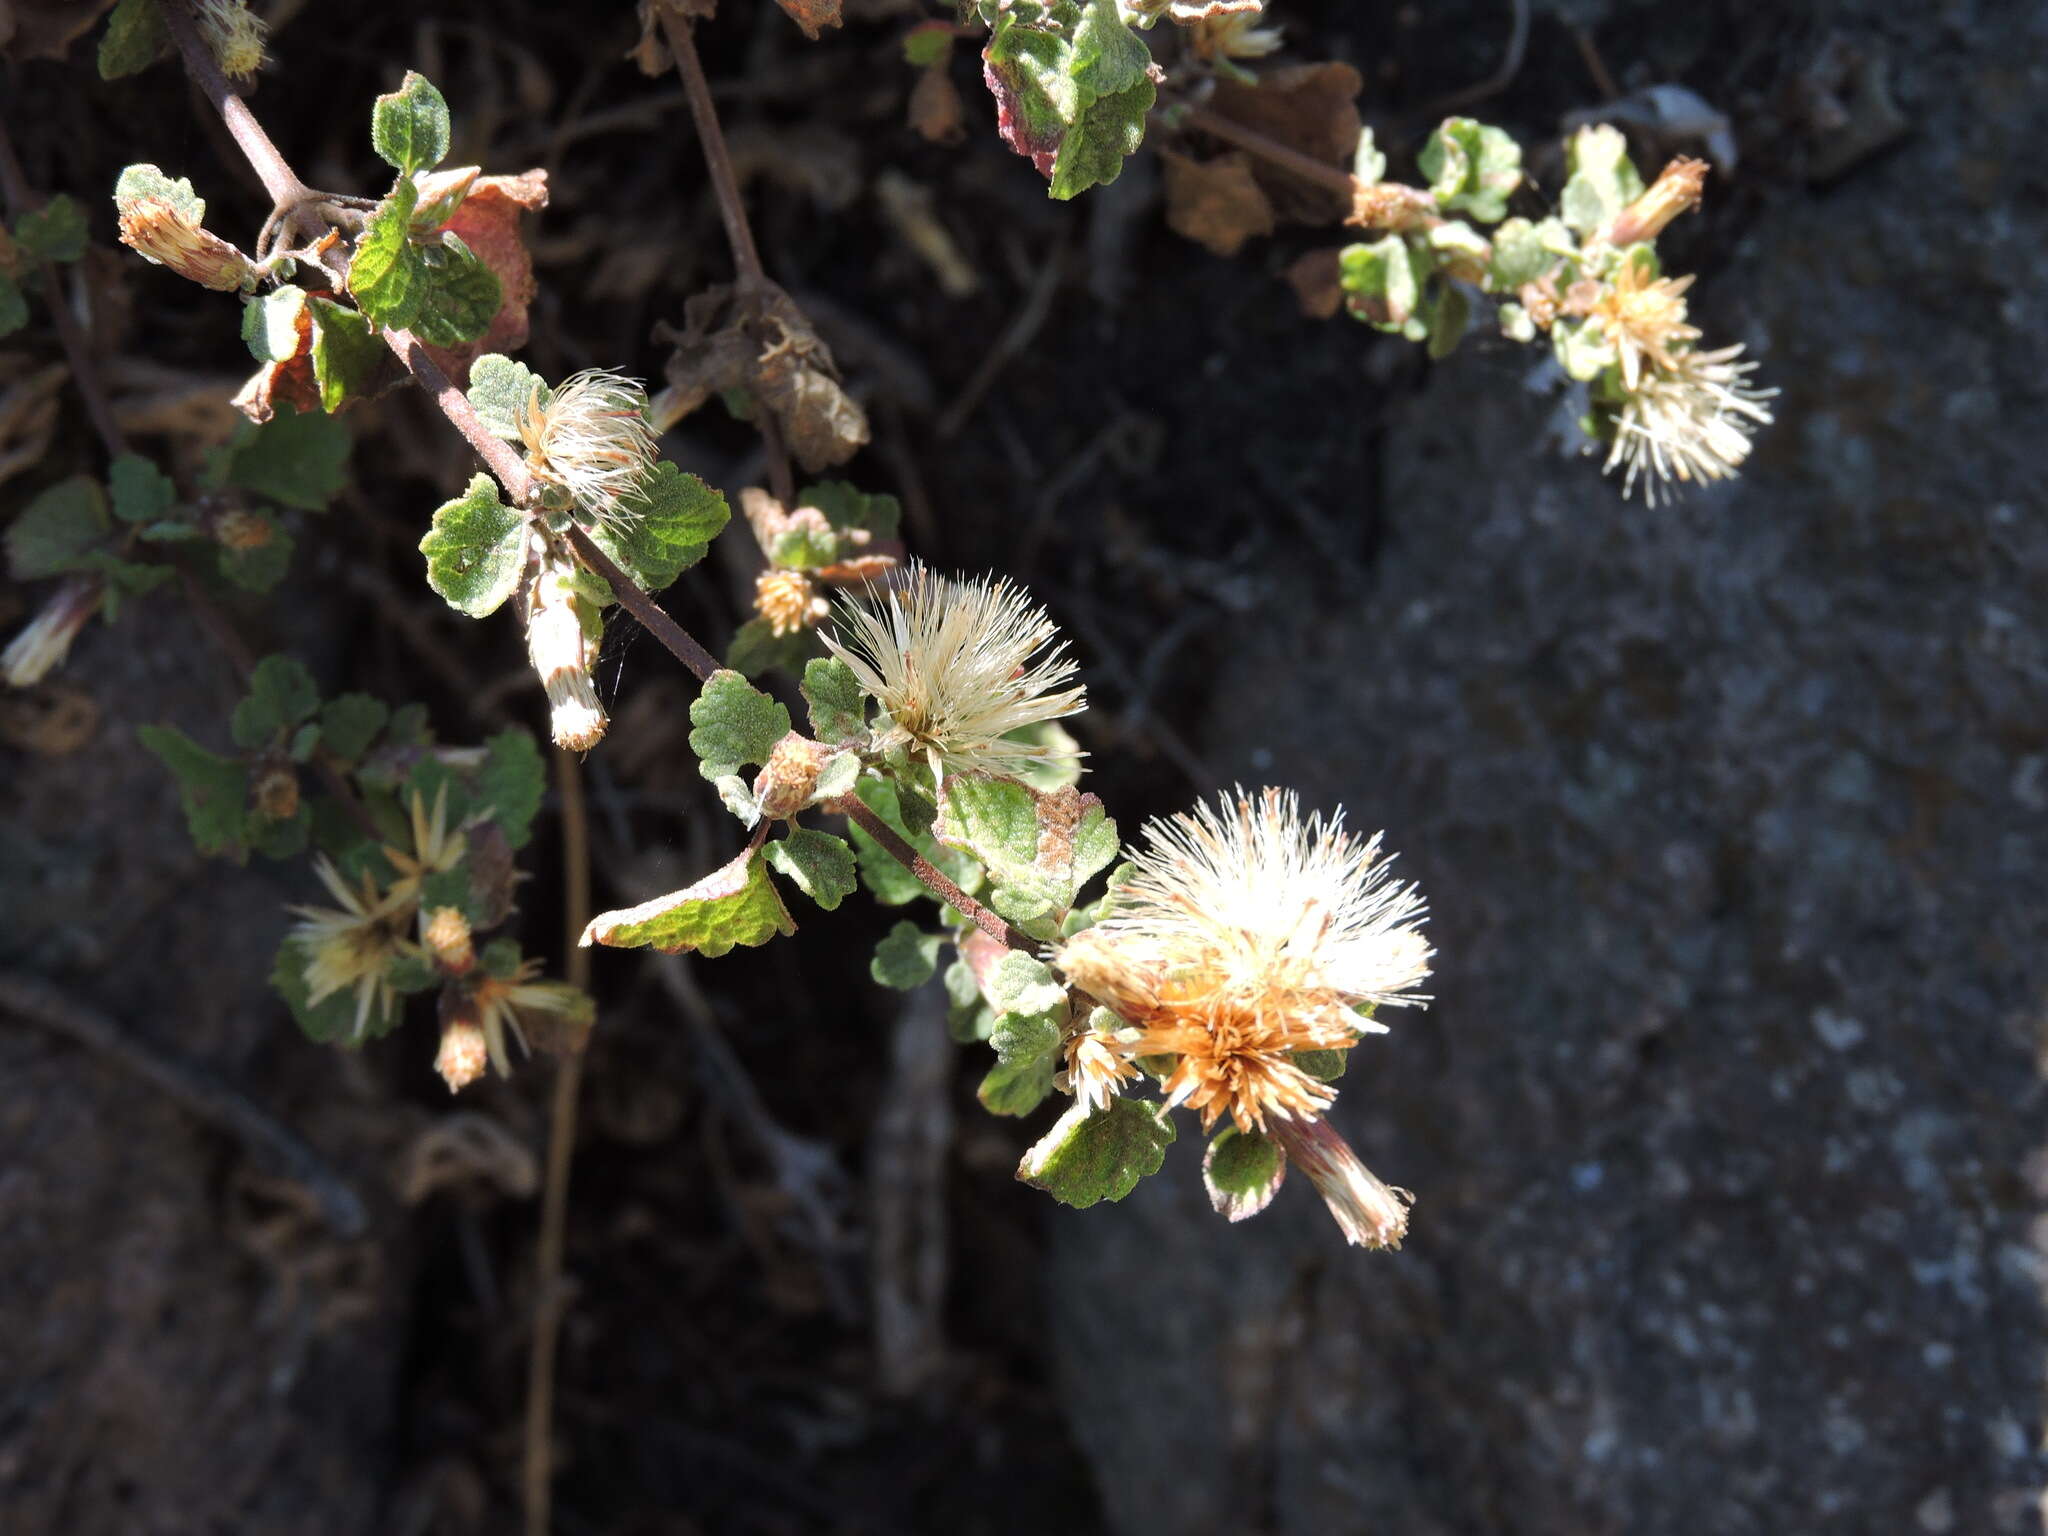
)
(1726, 1123)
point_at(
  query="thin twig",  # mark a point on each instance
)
(277, 176)
(1217, 126)
(746, 256)
(554, 1216)
(498, 455)
(855, 810)
(637, 601)
(36, 1000)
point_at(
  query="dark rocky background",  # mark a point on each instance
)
(1726, 1123)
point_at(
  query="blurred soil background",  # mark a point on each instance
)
(1726, 1124)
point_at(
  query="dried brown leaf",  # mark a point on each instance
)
(1216, 203)
(812, 14)
(1317, 278)
(936, 110)
(1309, 107)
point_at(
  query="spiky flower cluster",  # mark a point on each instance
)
(957, 666)
(234, 34)
(1247, 935)
(591, 438)
(1687, 420)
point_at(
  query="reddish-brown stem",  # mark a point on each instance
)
(1217, 126)
(497, 454)
(724, 183)
(855, 810)
(279, 180)
(637, 601)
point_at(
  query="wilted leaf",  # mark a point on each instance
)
(812, 14)
(735, 904)
(1312, 108)
(1216, 203)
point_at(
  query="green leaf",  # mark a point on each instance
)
(349, 723)
(819, 863)
(142, 493)
(1020, 985)
(1108, 130)
(1449, 315)
(281, 694)
(804, 548)
(13, 307)
(1471, 168)
(58, 531)
(511, 783)
(409, 127)
(298, 459)
(145, 183)
(1381, 283)
(305, 742)
(499, 389)
(415, 973)
(1582, 349)
(350, 361)
(1072, 84)
(259, 567)
(386, 274)
(270, 324)
(734, 724)
(1368, 164)
(124, 579)
(136, 38)
(53, 232)
(459, 296)
(500, 959)
(906, 957)
(735, 904)
(927, 44)
(663, 526)
(1523, 252)
(454, 187)
(280, 839)
(968, 1018)
(1243, 1171)
(1017, 1087)
(888, 881)
(213, 789)
(1039, 849)
(838, 708)
(1323, 1066)
(1601, 180)
(1088, 1157)
(756, 647)
(476, 550)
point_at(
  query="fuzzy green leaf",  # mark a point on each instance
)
(124, 579)
(499, 389)
(888, 881)
(838, 708)
(1017, 1087)
(1072, 84)
(906, 957)
(146, 183)
(409, 127)
(511, 783)
(1323, 1066)
(663, 527)
(385, 274)
(1601, 179)
(281, 694)
(1471, 168)
(298, 459)
(1088, 1157)
(1242, 1170)
(736, 904)
(350, 361)
(136, 38)
(848, 508)
(459, 296)
(1523, 252)
(476, 549)
(734, 724)
(142, 493)
(270, 324)
(53, 232)
(1020, 985)
(280, 839)
(58, 531)
(213, 789)
(13, 307)
(819, 863)
(1381, 283)
(349, 723)
(1039, 849)
(1449, 315)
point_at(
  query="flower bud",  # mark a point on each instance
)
(1371, 1214)
(274, 792)
(464, 1053)
(234, 35)
(1675, 190)
(42, 646)
(789, 779)
(170, 237)
(446, 934)
(563, 649)
(240, 530)
(788, 600)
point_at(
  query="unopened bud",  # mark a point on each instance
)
(1675, 190)
(789, 779)
(1370, 1213)
(41, 647)
(446, 934)
(563, 650)
(274, 793)
(1389, 205)
(464, 1055)
(168, 236)
(788, 600)
(234, 36)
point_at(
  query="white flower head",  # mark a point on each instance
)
(1689, 421)
(563, 634)
(592, 438)
(956, 666)
(1245, 934)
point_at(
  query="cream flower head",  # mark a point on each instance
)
(956, 666)
(1688, 420)
(592, 438)
(1246, 934)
